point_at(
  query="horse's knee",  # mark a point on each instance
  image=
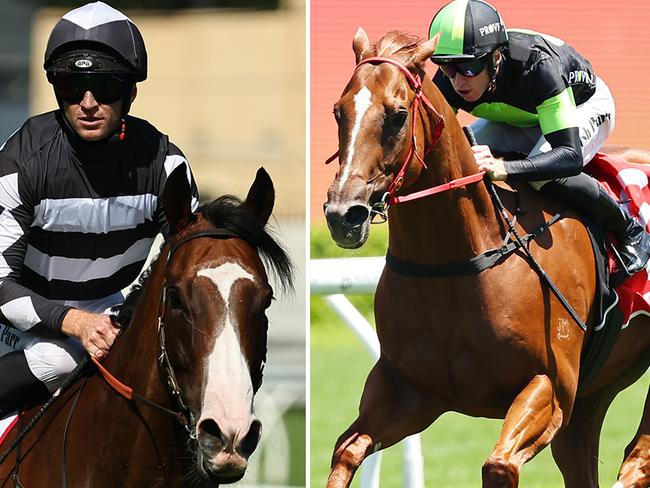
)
(635, 471)
(350, 450)
(500, 474)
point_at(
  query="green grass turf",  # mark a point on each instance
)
(455, 446)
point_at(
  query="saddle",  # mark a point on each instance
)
(627, 183)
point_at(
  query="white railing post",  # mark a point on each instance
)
(413, 462)
(357, 322)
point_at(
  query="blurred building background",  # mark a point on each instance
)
(610, 34)
(227, 84)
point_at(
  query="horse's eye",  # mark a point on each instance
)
(173, 299)
(396, 120)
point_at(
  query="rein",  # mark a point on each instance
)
(489, 258)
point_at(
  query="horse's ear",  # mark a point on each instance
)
(360, 44)
(261, 196)
(177, 200)
(424, 51)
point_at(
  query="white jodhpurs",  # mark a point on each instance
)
(596, 121)
(52, 357)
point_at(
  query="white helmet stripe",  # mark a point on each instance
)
(94, 14)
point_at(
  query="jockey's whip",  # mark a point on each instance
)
(533, 262)
(30, 425)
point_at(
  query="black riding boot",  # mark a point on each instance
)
(588, 197)
(18, 385)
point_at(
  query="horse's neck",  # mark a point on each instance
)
(144, 432)
(134, 358)
(455, 225)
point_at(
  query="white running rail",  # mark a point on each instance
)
(333, 278)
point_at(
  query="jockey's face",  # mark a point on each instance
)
(471, 88)
(92, 120)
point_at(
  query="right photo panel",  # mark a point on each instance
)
(479, 246)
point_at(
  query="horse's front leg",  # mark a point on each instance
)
(391, 408)
(530, 424)
(635, 470)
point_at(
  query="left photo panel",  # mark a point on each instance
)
(152, 243)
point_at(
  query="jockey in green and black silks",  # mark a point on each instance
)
(536, 96)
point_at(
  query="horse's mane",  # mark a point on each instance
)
(228, 212)
(395, 42)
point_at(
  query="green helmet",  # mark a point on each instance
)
(469, 29)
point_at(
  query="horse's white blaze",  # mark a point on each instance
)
(228, 394)
(618, 484)
(361, 105)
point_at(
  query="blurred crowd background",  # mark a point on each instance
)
(227, 84)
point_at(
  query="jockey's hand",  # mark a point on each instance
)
(95, 331)
(495, 168)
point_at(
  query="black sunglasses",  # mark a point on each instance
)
(106, 88)
(469, 69)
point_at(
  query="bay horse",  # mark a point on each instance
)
(195, 345)
(492, 344)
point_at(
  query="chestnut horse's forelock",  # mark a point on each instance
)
(394, 43)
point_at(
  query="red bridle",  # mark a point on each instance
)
(416, 85)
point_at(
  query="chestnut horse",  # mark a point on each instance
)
(209, 288)
(492, 344)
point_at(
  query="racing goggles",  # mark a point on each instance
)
(469, 69)
(106, 88)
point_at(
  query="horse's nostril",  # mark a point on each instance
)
(210, 435)
(356, 215)
(249, 442)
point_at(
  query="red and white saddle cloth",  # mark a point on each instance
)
(627, 183)
(6, 425)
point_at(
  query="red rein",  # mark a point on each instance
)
(416, 85)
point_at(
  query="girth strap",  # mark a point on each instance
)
(475, 265)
